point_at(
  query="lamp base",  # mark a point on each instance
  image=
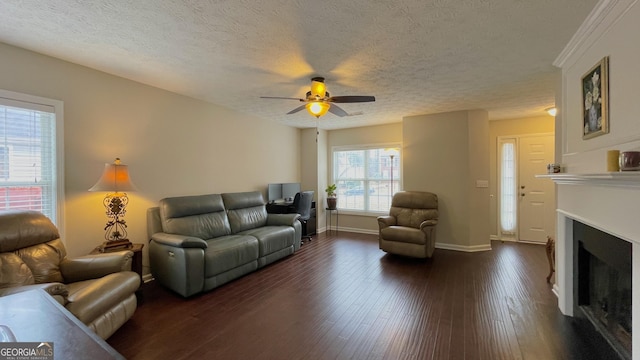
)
(114, 245)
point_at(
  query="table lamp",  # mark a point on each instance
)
(115, 179)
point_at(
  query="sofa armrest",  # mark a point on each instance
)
(180, 241)
(53, 289)
(385, 221)
(95, 266)
(432, 222)
(282, 219)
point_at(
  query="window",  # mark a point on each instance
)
(30, 134)
(508, 193)
(4, 163)
(364, 177)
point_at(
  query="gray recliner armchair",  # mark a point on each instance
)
(410, 227)
(97, 289)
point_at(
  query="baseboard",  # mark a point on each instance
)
(494, 237)
(463, 248)
(532, 242)
(349, 229)
(357, 230)
(444, 246)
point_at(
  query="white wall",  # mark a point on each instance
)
(445, 154)
(174, 145)
(613, 38)
(314, 169)
(610, 30)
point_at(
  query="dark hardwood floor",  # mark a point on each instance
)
(340, 297)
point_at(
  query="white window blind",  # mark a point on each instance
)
(28, 166)
(364, 177)
(508, 193)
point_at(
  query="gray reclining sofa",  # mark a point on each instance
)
(201, 242)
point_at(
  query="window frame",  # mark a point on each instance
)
(56, 107)
(397, 171)
(502, 233)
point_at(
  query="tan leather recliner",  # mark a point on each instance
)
(410, 227)
(98, 289)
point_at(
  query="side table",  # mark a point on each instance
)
(136, 262)
(329, 219)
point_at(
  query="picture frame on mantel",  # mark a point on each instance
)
(595, 100)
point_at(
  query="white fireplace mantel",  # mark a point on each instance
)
(616, 179)
(609, 202)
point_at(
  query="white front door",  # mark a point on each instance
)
(536, 196)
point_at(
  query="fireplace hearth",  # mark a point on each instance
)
(603, 287)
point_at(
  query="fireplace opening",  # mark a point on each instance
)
(603, 286)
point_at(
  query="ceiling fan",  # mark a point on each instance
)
(319, 101)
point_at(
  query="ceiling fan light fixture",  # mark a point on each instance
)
(317, 108)
(318, 100)
(318, 88)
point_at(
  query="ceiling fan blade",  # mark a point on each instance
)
(351, 99)
(279, 97)
(337, 110)
(296, 109)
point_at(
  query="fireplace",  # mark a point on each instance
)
(602, 264)
(610, 203)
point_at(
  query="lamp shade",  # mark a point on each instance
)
(317, 108)
(115, 177)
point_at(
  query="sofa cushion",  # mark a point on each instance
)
(403, 234)
(228, 252)
(201, 216)
(92, 298)
(44, 261)
(245, 210)
(13, 271)
(272, 238)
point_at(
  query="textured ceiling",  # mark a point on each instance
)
(416, 56)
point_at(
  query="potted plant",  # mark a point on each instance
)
(331, 196)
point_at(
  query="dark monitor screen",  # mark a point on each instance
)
(274, 192)
(290, 190)
(282, 191)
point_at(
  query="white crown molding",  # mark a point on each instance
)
(598, 17)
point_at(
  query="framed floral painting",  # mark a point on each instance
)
(595, 100)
